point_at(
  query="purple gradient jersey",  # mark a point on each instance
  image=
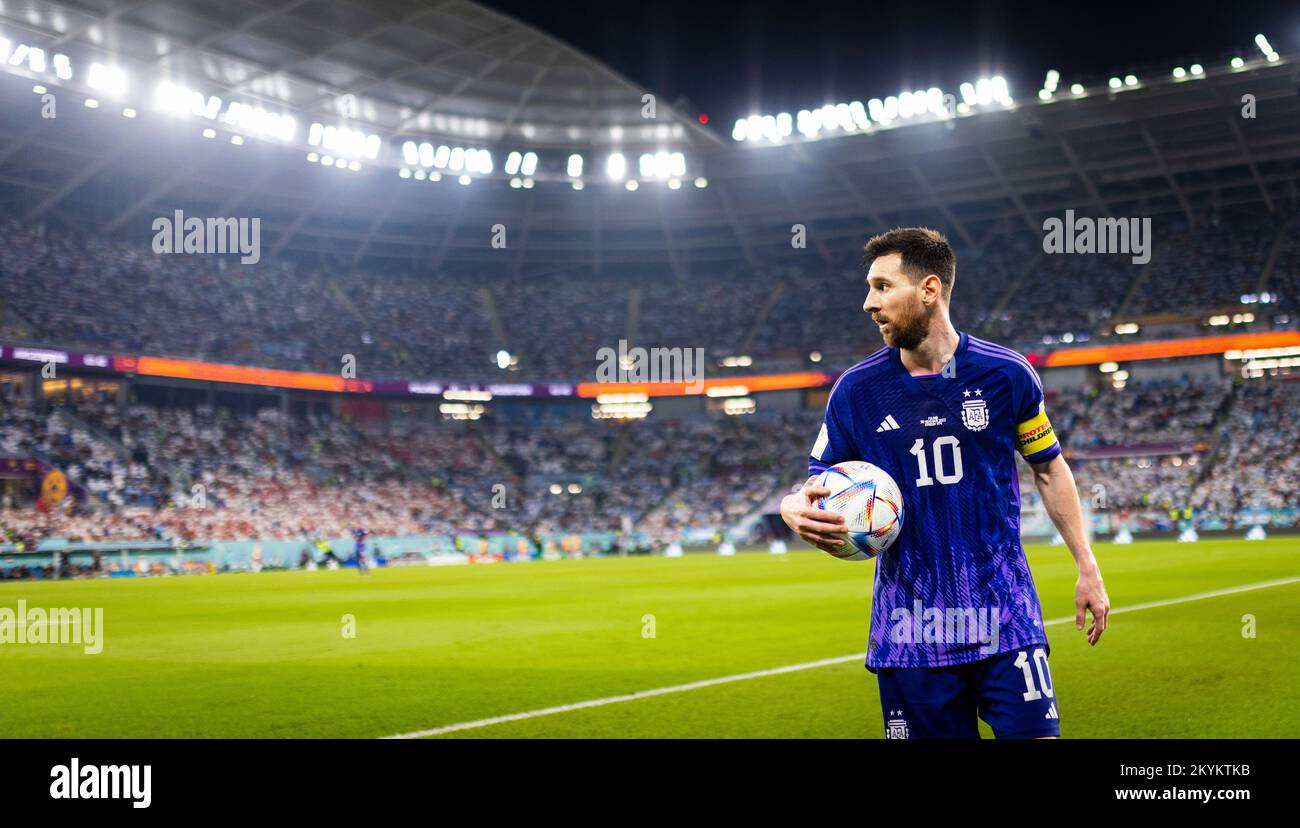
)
(955, 587)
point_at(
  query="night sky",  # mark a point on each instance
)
(732, 59)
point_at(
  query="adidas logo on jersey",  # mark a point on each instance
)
(1051, 712)
(887, 424)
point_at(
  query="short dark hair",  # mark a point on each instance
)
(924, 251)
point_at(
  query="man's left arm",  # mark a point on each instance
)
(1055, 483)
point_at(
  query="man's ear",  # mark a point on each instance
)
(931, 289)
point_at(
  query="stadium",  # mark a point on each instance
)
(282, 282)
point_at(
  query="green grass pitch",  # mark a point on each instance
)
(264, 655)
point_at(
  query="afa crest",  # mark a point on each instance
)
(975, 415)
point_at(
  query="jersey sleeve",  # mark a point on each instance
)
(834, 442)
(1035, 439)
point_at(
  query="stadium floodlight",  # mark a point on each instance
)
(1130, 80)
(677, 164)
(631, 185)
(556, 488)
(424, 154)
(784, 124)
(18, 55)
(616, 133)
(741, 130)
(527, 168)
(238, 140)
(62, 67)
(1001, 91)
(513, 160)
(516, 183)
(1179, 73)
(674, 183)
(262, 122)
(128, 112)
(701, 182)
(891, 108)
(574, 166)
(1053, 78)
(354, 166)
(456, 160)
(419, 175)
(91, 103)
(905, 105)
(209, 133)
(1114, 83)
(110, 80)
(577, 185)
(503, 359)
(806, 123)
(339, 163)
(968, 95)
(410, 153)
(463, 180)
(934, 101)
(528, 183)
(616, 166)
(313, 157)
(1077, 89)
(1044, 95)
(1197, 69)
(646, 165)
(441, 156)
(402, 173)
(1263, 44)
(39, 89)
(859, 114)
(435, 176)
(662, 164)
(1237, 63)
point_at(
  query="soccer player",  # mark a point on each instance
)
(956, 627)
(359, 535)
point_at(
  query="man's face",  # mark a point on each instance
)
(895, 303)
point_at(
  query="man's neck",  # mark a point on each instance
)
(934, 351)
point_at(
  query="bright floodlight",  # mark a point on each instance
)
(108, 79)
(1237, 63)
(677, 164)
(410, 153)
(1115, 83)
(661, 164)
(631, 185)
(616, 166)
(425, 154)
(456, 161)
(530, 163)
(1263, 44)
(62, 67)
(503, 360)
(1130, 80)
(1180, 72)
(575, 165)
(441, 156)
(741, 130)
(1197, 69)
(1076, 89)
(701, 182)
(513, 160)
(646, 165)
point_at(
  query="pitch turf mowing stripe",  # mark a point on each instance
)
(791, 668)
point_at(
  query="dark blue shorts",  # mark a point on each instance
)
(1012, 692)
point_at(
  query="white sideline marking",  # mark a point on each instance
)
(789, 668)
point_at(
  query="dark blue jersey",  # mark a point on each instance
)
(955, 587)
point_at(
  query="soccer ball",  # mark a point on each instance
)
(871, 503)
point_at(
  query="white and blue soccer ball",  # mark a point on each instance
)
(871, 503)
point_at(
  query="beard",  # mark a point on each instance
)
(908, 328)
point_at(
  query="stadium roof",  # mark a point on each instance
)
(444, 70)
(445, 67)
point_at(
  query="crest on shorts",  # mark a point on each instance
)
(975, 415)
(896, 726)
